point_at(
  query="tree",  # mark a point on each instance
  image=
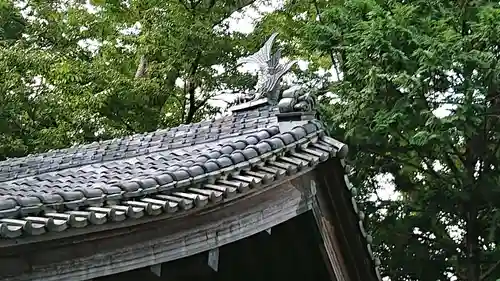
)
(75, 74)
(419, 104)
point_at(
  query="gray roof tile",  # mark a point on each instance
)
(117, 167)
(152, 203)
(140, 144)
(132, 172)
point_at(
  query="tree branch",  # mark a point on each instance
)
(429, 171)
(202, 103)
(191, 88)
(332, 57)
(423, 158)
(184, 4)
(490, 270)
(231, 10)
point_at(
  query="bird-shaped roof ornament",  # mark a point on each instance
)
(270, 71)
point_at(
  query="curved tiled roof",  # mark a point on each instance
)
(157, 173)
(263, 164)
(33, 186)
(196, 134)
(151, 184)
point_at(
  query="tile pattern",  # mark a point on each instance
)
(159, 173)
(269, 160)
(140, 144)
(297, 100)
(75, 183)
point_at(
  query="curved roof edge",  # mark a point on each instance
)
(261, 209)
(261, 149)
(230, 175)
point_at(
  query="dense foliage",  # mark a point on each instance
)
(73, 72)
(418, 100)
(419, 104)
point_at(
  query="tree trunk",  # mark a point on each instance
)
(473, 262)
(142, 69)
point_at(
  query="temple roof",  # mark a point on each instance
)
(168, 171)
(119, 166)
(163, 171)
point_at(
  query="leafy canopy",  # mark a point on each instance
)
(419, 104)
(73, 74)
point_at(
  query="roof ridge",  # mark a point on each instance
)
(239, 172)
(203, 132)
(253, 148)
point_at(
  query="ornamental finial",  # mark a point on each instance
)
(270, 71)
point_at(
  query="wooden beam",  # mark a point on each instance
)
(329, 246)
(345, 220)
(213, 259)
(156, 269)
(313, 188)
(121, 250)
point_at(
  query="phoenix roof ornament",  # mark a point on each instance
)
(270, 71)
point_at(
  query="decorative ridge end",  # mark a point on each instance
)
(268, 89)
(297, 100)
(270, 71)
(248, 105)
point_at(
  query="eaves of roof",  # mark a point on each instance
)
(218, 173)
(168, 171)
(236, 168)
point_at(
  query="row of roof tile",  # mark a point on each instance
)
(361, 216)
(306, 149)
(98, 183)
(140, 144)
